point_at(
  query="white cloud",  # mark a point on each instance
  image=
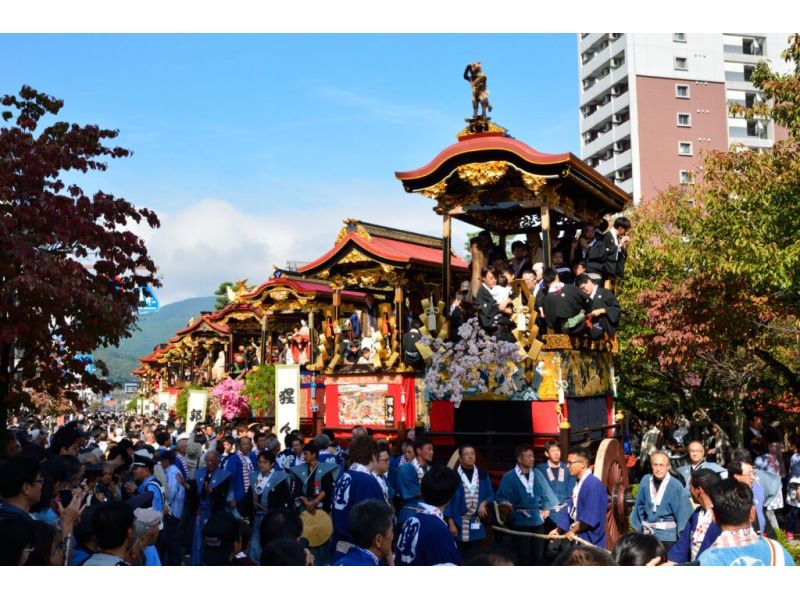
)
(213, 240)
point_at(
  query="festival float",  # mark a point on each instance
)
(556, 386)
(398, 272)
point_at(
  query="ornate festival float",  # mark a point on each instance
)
(536, 384)
(371, 363)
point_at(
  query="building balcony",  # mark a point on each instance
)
(603, 112)
(742, 58)
(601, 86)
(603, 56)
(738, 84)
(617, 162)
(605, 140)
(588, 41)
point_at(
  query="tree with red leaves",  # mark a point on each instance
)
(70, 266)
(713, 287)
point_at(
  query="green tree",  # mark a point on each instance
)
(713, 288)
(259, 388)
(222, 295)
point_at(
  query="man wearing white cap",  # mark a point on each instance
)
(145, 531)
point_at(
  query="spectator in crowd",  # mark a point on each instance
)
(371, 529)
(738, 543)
(112, 524)
(639, 550)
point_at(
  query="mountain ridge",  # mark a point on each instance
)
(154, 329)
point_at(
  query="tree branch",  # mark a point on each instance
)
(791, 377)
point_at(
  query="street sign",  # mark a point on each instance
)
(148, 302)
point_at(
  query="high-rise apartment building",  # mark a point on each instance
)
(651, 102)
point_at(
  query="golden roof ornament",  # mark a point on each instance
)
(240, 288)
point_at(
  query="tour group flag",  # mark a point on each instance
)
(196, 408)
(287, 399)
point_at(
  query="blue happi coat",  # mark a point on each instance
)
(681, 551)
(204, 507)
(357, 557)
(526, 507)
(234, 465)
(426, 540)
(409, 490)
(591, 510)
(686, 471)
(262, 508)
(457, 507)
(675, 507)
(351, 488)
(562, 490)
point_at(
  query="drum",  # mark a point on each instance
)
(317, 528)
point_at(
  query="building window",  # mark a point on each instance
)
(682, 91)
(752, 47)
(748, 72)
(679, 37)
(757, 128)
(685, 148)
(684, 119)
(686, 177)
(681, 63)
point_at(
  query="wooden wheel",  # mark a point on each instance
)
(610, 467)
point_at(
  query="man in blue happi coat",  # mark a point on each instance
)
(531, 499)
(240, 467)
(215, 494)
(701, 531)
(312, 484)
(425, 538)
(372, 530)
(584, 515)
(355, 485)
(381, 472)
(738, 543)
(467, 511)
(662, 505)
(558, 476)
(409, 478)
(697, 460)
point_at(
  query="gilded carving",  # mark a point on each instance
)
(435, 191)
(483, 174)
(279, 295)
(354, 257)
(353, 226)
(490, 128)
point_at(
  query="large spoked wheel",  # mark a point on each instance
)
(610, 467)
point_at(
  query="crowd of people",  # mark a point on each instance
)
(569, 296)
(108, 489)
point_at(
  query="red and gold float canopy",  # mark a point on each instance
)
(370, 256)
(498, 183)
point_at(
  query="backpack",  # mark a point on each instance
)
(163, 495)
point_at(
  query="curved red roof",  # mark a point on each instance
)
(392, 250)
(485, 142)
(199, 322)
(216, 316)
(306, 287)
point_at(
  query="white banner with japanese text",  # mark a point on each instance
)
(196, 408)
(287, 399)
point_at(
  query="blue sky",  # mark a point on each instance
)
(253, 148)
